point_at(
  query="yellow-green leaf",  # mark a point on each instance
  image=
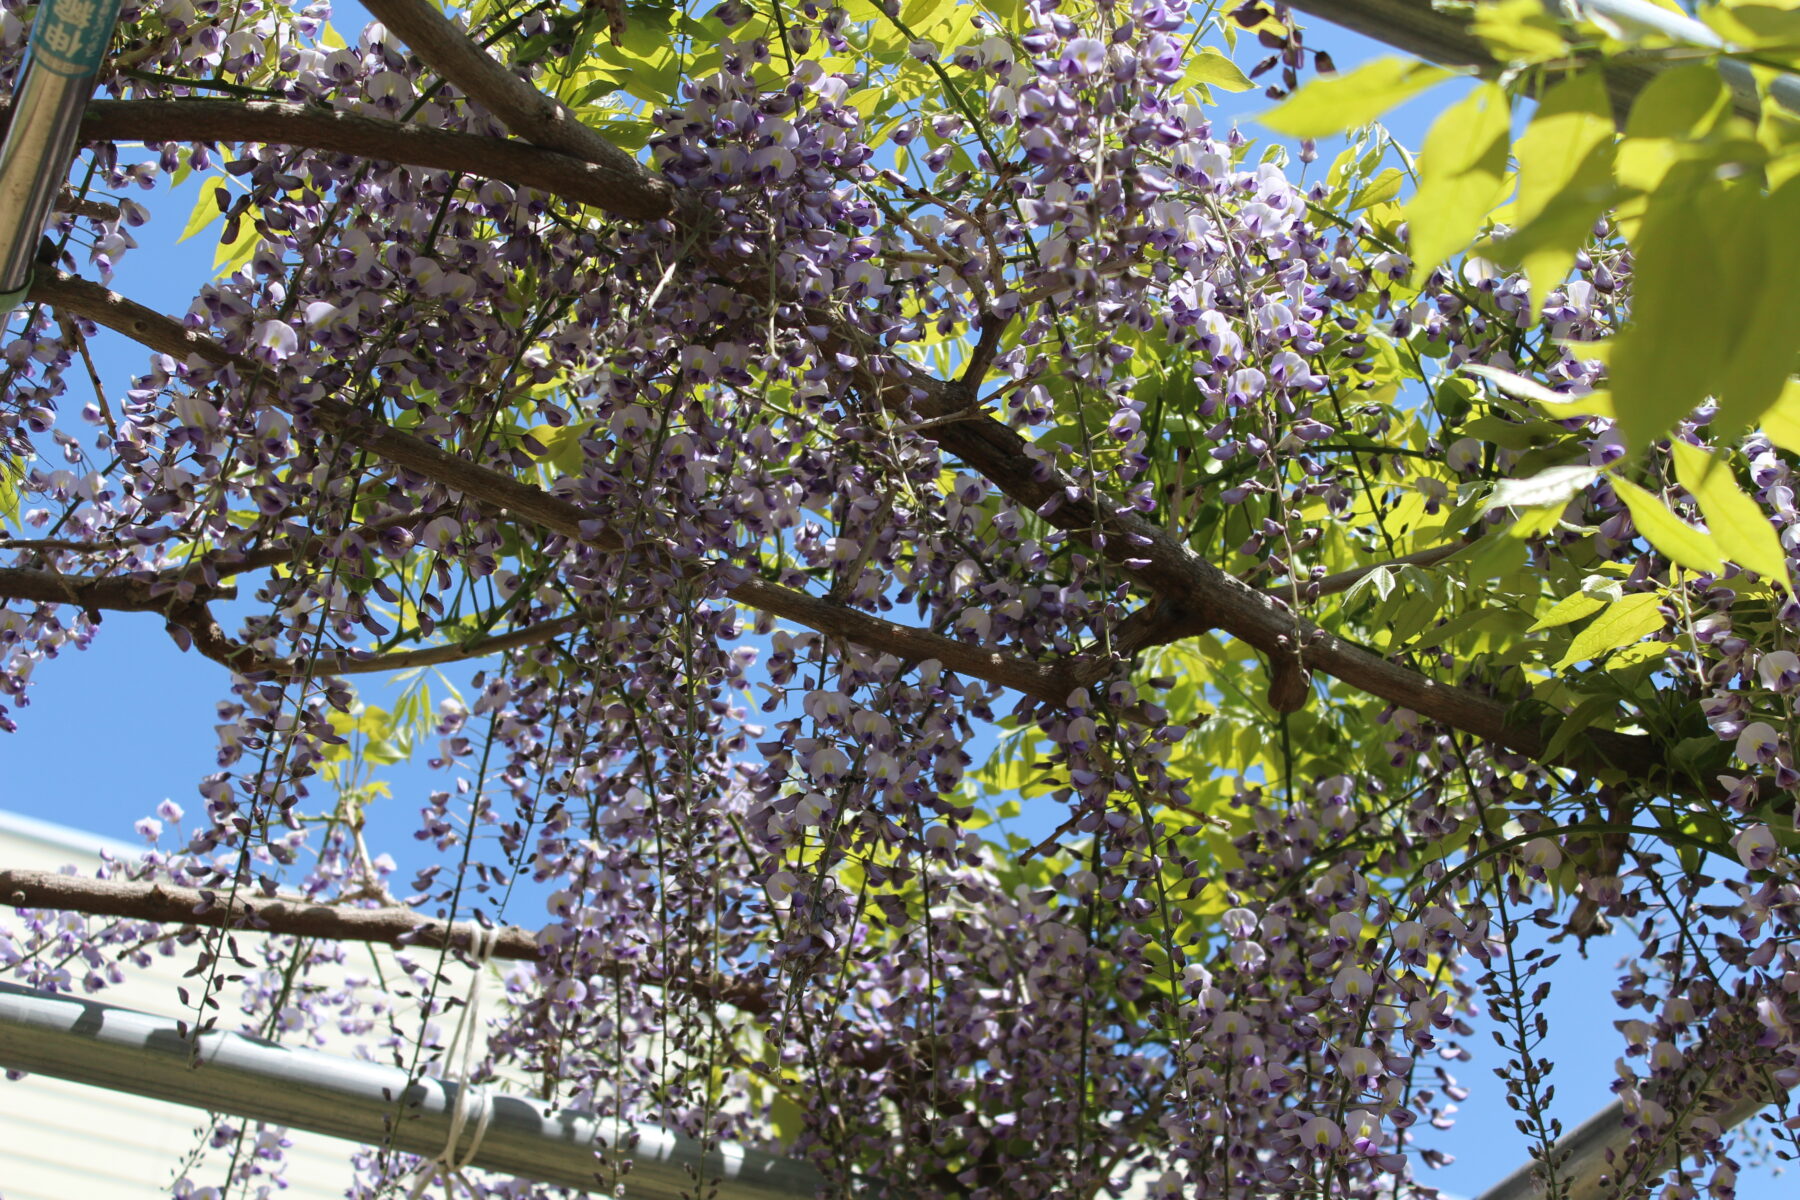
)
(207, 208)
(1629, 620)
(1667, 360)
(1379, 190)
(1520, 31)
(1678, 541)
(1335, 103)
(1462, 171)
(9, 490)
(1565, 157)
(1211, 68)
(1740, 528)
(1762, 277)
(1676, 109)
(1782, 421)
(1568, 610)
(238, 252)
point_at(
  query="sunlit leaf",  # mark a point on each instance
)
(1520, 30)
(1741, 530)
(1568, 610)
(1782, 421)
(1335, 103)
(1379, 190)
(1565, 159)
(1623, 622)
(1678, 541)
(1462, 170)
(1558, 485)
(1209, 67)
(209, 207)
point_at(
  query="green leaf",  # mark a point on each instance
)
(1211, 68)
(1520, 31)
(1462, 175)
(1379, 190)
(1782, 421)
(1677, 108)
(1335, 103)
(1515, 385)
(1740, 528)
(1678, 541)
(209, 207)
(1568, 610)
(1581, 719)
(241, 249)
(1624, 622)
(1666, 361)
(1568, 143)
(786, 1117)
(1558, 485)
(1565, 159)
(10, 474)
(1763, 276)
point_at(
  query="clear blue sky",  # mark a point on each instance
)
(114, 730)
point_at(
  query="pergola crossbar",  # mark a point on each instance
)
(126, 1051)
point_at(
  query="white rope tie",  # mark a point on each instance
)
(472, 1099)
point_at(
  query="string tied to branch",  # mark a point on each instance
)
(473, 1104)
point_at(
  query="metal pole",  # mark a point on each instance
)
(126, 1051)
(1421, 29)
(68, 41)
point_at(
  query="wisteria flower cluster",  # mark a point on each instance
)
(811, 437)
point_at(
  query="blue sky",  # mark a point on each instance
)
(113, 731)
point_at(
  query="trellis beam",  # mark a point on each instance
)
(125, 1051)
(1447, 36)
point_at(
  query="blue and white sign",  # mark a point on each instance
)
(70, 36)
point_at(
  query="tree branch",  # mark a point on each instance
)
(112, 593)
(212, 641)
(407, 928)
(1196, 596)
(624, 191)
(518, 103)
(1044, 681)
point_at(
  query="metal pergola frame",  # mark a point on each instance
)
(1445, 36)
(100, 1045)
(126, 1051)
(121, 1050)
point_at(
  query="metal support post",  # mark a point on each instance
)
(68, 42)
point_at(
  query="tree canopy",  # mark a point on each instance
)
(796, 436)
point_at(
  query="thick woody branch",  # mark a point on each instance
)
(519, 105)
(70, 294)
(1196, 596)
(167, 904)
(104, 593)
(622, 191)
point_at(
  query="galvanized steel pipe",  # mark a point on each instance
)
(126, 1051)
(1445, 36)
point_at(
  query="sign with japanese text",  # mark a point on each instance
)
(70, 36)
